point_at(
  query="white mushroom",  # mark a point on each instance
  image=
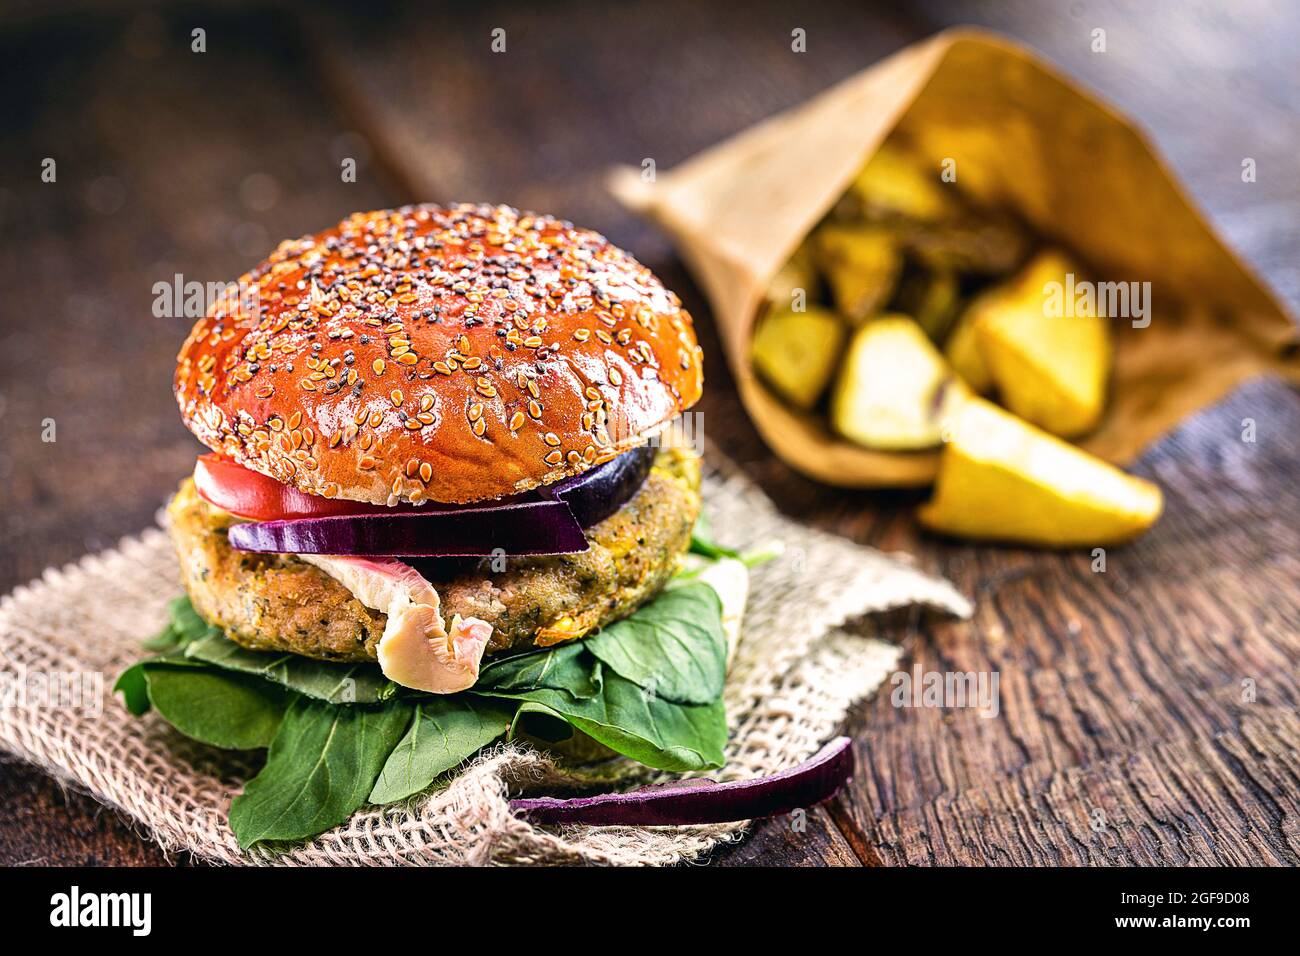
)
(416, 649)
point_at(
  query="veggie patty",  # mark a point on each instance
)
(279, 602)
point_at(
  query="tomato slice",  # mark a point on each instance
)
(234, 488)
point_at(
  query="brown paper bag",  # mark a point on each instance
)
(1023, 138)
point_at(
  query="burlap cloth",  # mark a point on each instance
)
(796, 673)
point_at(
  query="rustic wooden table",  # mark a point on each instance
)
(1124, 735)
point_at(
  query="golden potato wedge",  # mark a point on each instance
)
(796, 352)
(1002, 479)
(962, 348)
(1049, 368)
(861, 265)
(895, 185)
(929, 216)
(895, 391)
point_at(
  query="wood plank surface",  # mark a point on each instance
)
(1124, 735)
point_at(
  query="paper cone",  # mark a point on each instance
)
(1024, 139)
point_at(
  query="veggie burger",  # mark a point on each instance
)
(437, 513)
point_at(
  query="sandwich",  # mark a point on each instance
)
(439, 510)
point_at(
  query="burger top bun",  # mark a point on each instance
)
(437, 354)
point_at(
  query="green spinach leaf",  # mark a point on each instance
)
(321, 767)
(226, 710)
(551, 729)
(185, 620)
(183, 626)
(567, 667)
(445, 732)
(703, 544)
(134, 689)
(673, 647)
(325, 680)
(644, 726)
(168, 639)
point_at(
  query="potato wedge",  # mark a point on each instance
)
(895, 391)
(1002, 479)
(895, 185)
(929, 216)
(861, 265)
(1050, 365)
(796, 352)
(962, 348)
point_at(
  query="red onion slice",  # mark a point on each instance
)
(524, 528)
(549, 524)
(597, 493)
(703, 801)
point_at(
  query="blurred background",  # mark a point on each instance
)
(171, 161)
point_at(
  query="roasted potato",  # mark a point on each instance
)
(861, 265)
(1005, 480)
(1049, 368)
(895, 187)
(895, 391)
(796, 352)
(962, 349)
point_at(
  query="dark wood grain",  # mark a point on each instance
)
(812, 838)
(1120, 692)
(45, 824)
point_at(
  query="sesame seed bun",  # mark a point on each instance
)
(438, 354)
